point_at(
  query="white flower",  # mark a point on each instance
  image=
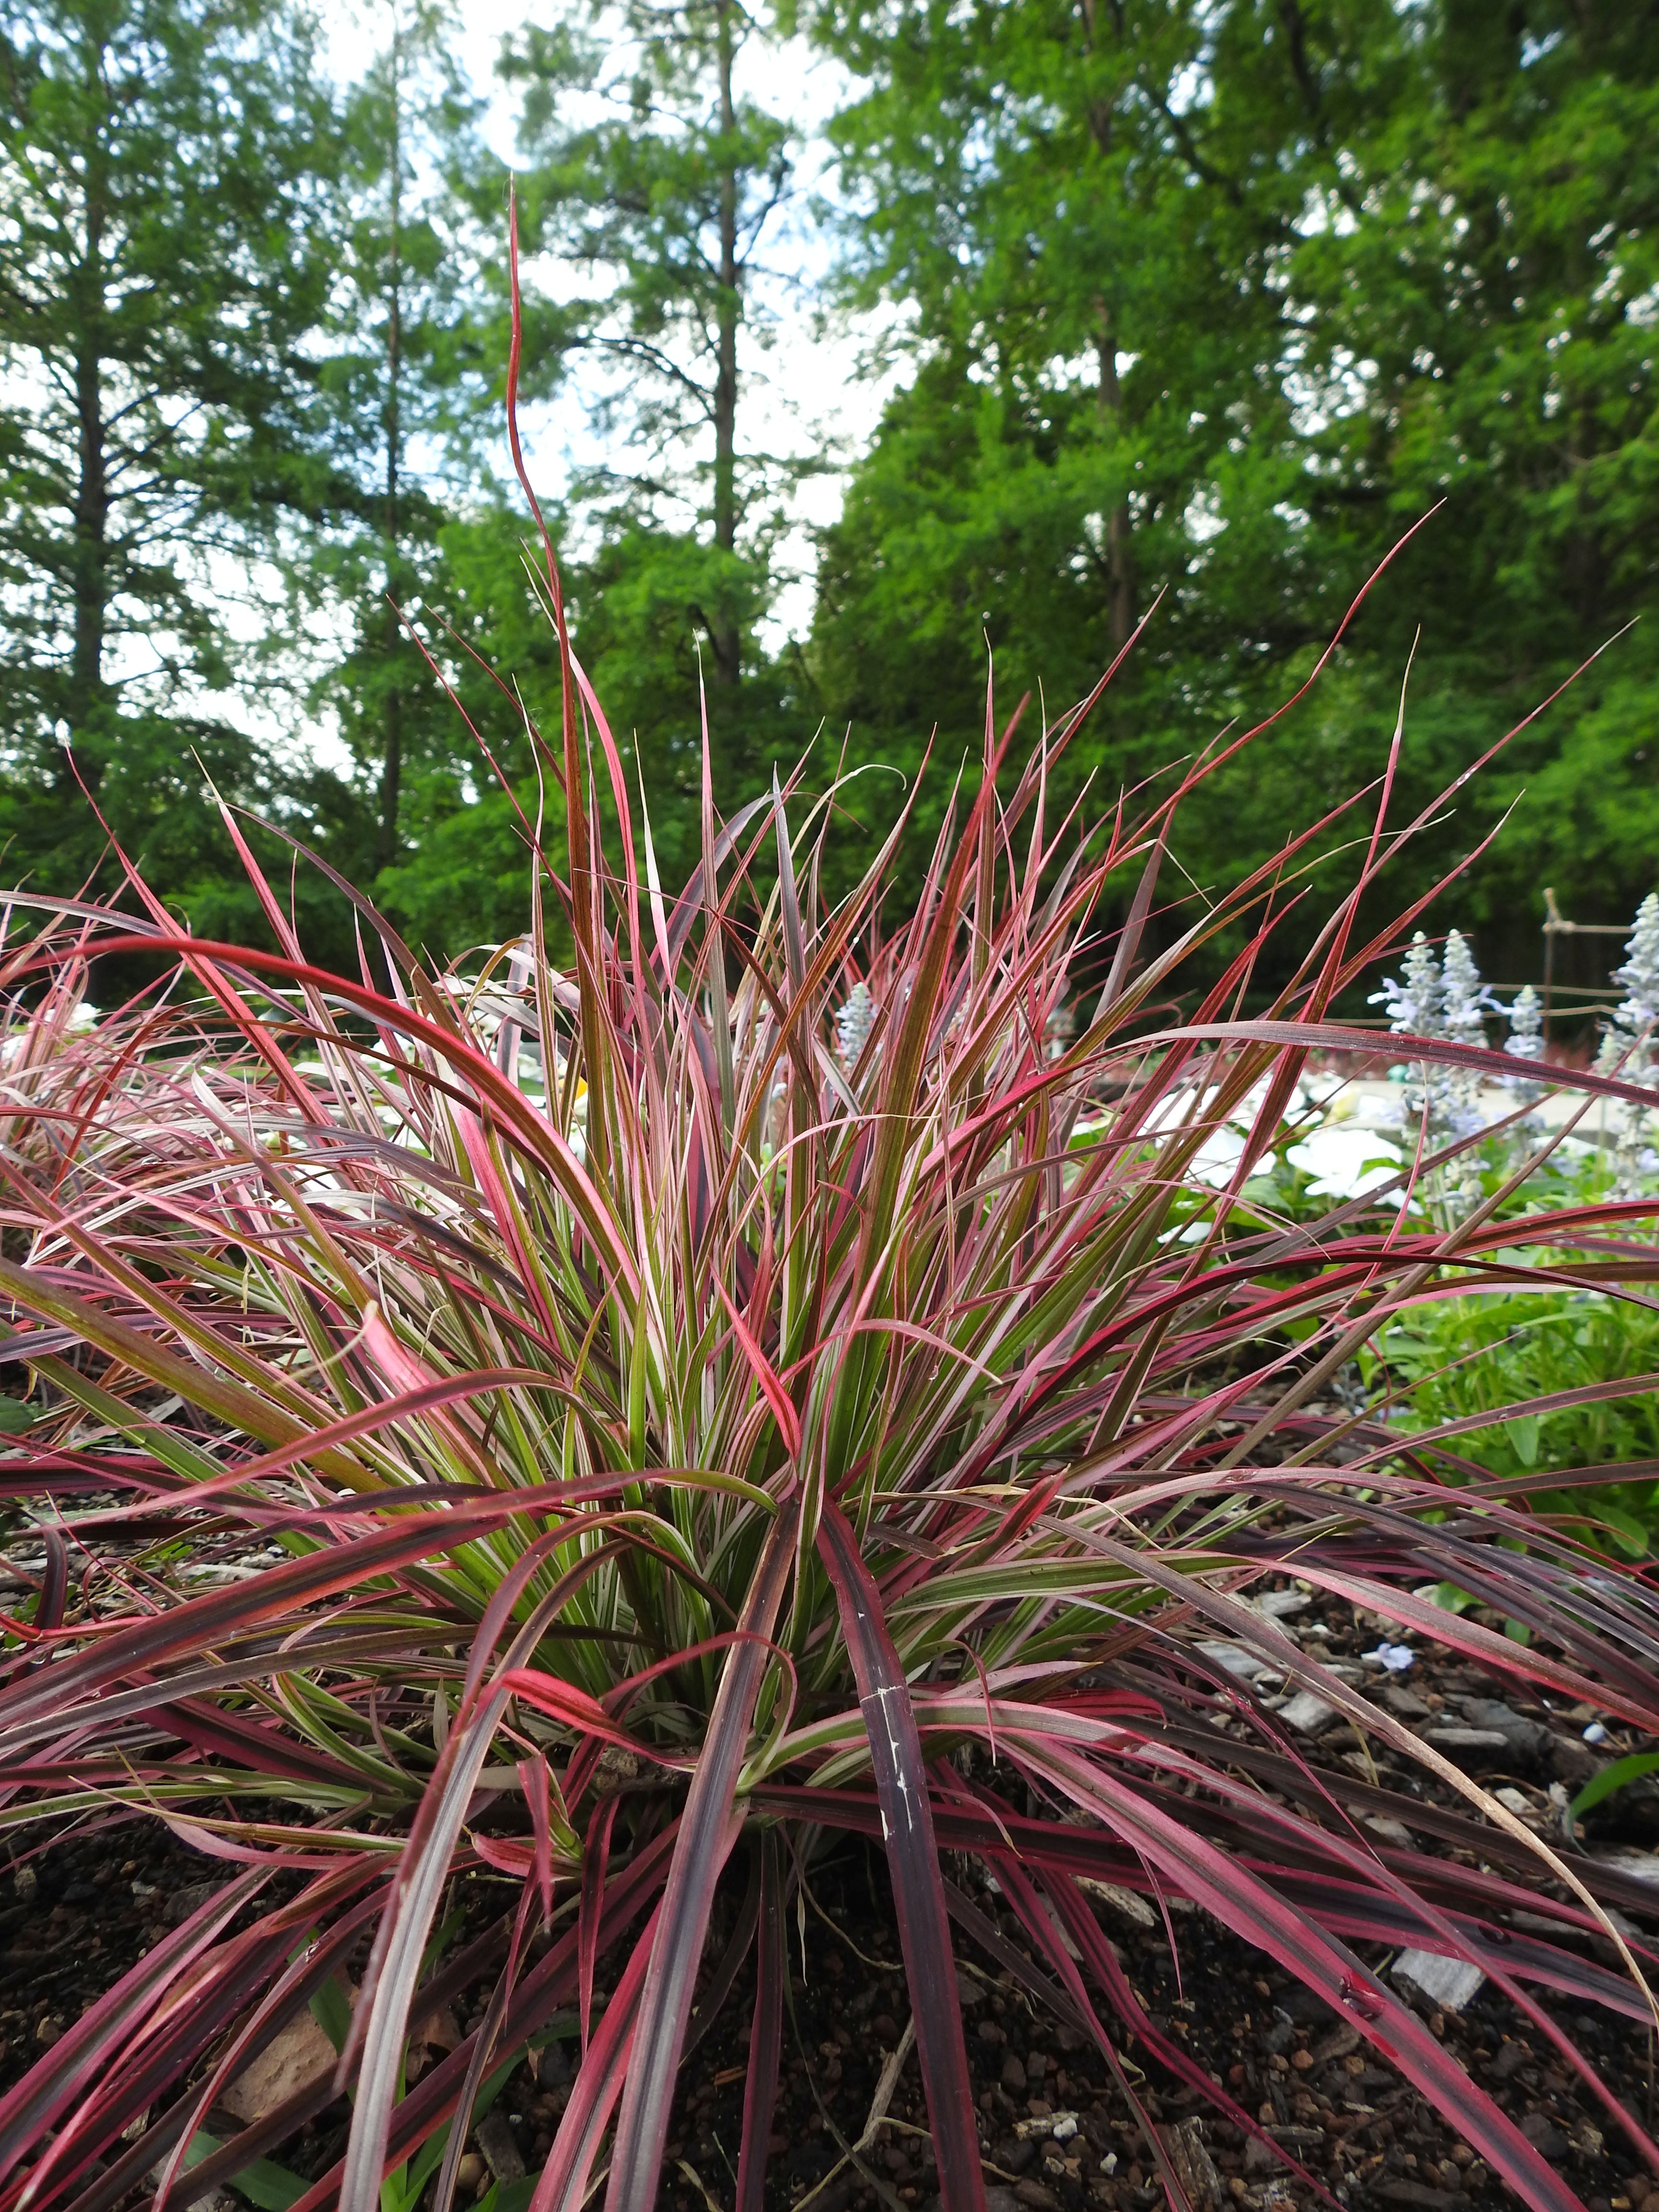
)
(854, 1023)
(1640, 973)
(1219, 1154)
(1629, 1046)
(1464, 998)
(1345, 1162)
(1414, 1002)
(1526, 1019)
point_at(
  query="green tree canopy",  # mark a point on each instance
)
(1215, 302)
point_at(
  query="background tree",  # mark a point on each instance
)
(652, 172)
(408, 376)
(1479, 288)
(1352, 261)
(165, 170)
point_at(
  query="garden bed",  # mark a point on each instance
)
(850, 2129)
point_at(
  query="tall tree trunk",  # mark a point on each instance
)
(92, 493)
(392, 733)
(91, 540)
(1119, 538)
(723, 633)
(1119, 542)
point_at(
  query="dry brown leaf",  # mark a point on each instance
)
(298, 2056)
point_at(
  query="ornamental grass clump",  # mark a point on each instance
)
(761, 1432)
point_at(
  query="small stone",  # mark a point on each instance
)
(1307, 1714)
(1392, 1831)
(48, 2031)
(1233, 1659)
(1341, 2043)
(1405, 1702)
(190, 1898)
(1447, 1983)
(1279, 1605)
(1571, 1762)
(1527, 1737)
(1640, 1865)
(1471, 1745)
(1013, 2075)
(469, 2172)
(1546, 2139)
(25, 1881)
(885, 2027)
(1301, 2060)
(616, 1766)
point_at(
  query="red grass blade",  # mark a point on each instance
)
(707, 1834)
(760, 2094)
(912, 1856)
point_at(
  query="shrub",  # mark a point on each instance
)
(642, 1433)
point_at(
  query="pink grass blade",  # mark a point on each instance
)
(79, 2058)
(563, 2183)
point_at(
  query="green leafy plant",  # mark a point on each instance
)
(1552, 1390)
(652, 1424)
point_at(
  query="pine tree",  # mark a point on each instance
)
(410, 376)
(165, 250)
(668, 198)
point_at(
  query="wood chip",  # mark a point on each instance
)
(1131, 1906)
(495, 2139)
(1194, 2168)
